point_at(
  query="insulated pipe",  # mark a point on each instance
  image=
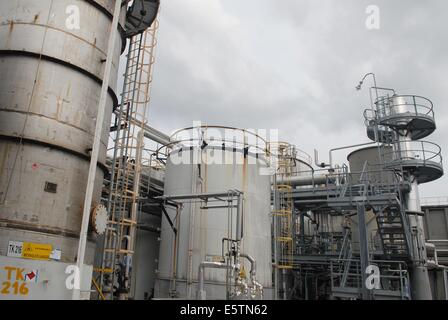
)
(210, 265)
(304, 180)
(156, 135)
(257, 287)
(253, 264)
(152, 133)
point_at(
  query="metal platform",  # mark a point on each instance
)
(411, 113)
(422, 159)
(423, 171)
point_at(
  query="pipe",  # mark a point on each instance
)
(152, 133)
(330, 154)
(253, 264)
(257, 288)
(304, 180)
(210, 265)
(76, 295)
(156, 135)
(239, 222)
(147, 227)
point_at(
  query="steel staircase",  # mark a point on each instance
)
(394, 233)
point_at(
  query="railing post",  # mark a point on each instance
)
(423, 151)
(415, 105)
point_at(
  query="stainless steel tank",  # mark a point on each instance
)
(201, 231)
(51, 74)
(375, 158)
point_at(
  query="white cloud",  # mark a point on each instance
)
(293, 65)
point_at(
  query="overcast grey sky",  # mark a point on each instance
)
(293, 65)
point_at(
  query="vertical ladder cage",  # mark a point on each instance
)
(126, 166)
(283, 211)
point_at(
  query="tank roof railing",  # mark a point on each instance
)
(297, 153)
(240, 138)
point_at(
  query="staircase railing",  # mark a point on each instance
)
(393, 277)
(346, 256)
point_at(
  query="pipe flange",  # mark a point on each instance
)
(99, 219)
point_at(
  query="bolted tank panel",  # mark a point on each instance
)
(201, 231)
(52, 71)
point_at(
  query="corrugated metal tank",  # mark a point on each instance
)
(210, 226)
(51, 82)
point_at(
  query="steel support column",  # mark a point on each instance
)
(363, 250)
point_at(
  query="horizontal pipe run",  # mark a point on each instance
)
(303, 180)
(202, 196)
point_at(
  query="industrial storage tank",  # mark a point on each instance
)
(374, 157)
(52, 71)
(206, 160)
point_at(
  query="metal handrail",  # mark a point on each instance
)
(296, 153)
(418, 104)
(424, 153)
(371, 116)
(261, 145)
(367, 117)
(339, 272)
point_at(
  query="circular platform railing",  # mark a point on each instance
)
(404, 105)
(423, 152)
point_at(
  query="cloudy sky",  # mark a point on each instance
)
(293, 65)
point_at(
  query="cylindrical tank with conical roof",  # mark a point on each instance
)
(374, 157)
(52, 56)
(212, 163)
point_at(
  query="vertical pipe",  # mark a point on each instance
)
(363, 249)
(302, 232)
(420, 284)
(239, 229)
(276, 206)
(95, 149)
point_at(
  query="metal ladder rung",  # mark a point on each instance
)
(125, 251)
